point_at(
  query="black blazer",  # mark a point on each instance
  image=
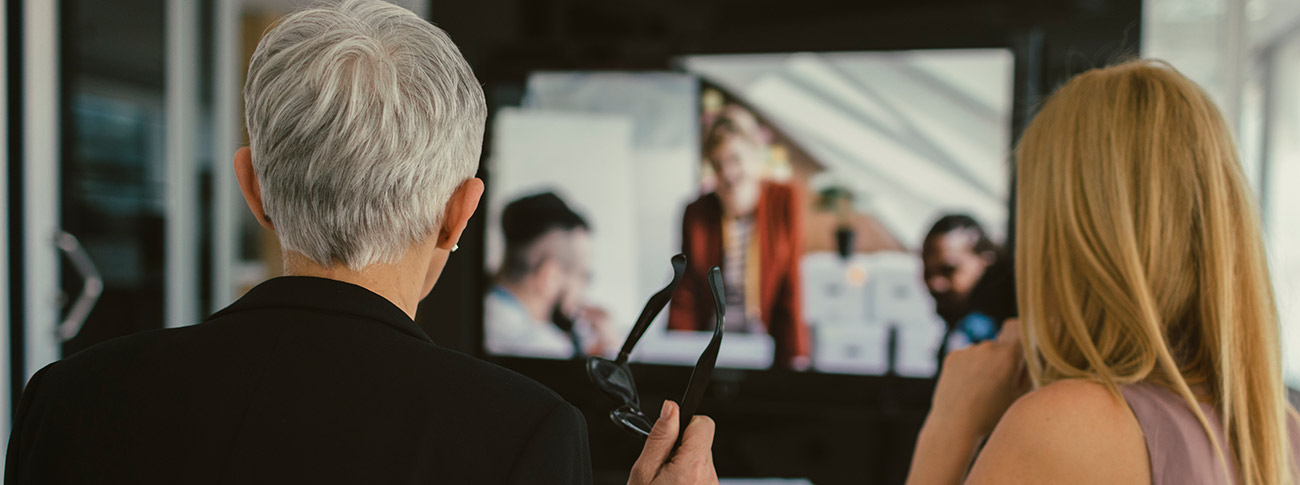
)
(303, 380)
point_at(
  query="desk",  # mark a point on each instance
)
(824, 427)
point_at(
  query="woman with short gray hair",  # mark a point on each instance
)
(365, 129)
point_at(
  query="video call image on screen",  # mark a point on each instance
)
(816, 181)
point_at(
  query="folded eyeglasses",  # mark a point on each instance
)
(614, 377)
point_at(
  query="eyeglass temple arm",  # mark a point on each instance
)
(719, 298)
(703, 372)
(652, 309)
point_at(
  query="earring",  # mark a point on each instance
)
(455, 247)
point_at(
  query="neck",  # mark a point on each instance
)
(393, 281)
(743, 204)
(533, 303)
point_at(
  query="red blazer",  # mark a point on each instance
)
(779, 225)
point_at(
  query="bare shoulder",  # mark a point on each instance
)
(1071, 431)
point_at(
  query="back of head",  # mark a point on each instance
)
(962, 222)
(1139, 254)
(362, 119)
(526, 221)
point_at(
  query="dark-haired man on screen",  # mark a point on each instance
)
(537, 307)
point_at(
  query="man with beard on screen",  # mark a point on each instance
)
(537, 308)
(971, 279)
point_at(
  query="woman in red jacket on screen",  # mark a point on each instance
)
(752, 228)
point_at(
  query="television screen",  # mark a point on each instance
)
(854, 201)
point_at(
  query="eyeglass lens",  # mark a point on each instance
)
(633, 420)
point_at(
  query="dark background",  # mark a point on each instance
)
(828, 428)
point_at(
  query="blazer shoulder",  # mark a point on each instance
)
(492, 383)
(139, 348)
(706, 205)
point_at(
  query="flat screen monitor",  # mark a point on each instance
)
(811, 179)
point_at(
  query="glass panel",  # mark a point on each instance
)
(113, 167)
(1283, 201)
(113, 175)
(1190, 34)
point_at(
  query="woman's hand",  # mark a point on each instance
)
(979, 383)
(975, 388)
(690, 463)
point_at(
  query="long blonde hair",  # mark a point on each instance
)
(1139, 256)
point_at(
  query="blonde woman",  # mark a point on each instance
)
(1148, 334)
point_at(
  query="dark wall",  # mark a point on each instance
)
(834, 429)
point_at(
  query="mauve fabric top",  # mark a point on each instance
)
(1179, 450)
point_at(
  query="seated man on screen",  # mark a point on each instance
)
(752, 229)
(536, 307)
(973, 285)
(365, 129)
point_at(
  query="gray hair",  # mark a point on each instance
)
(362, 119)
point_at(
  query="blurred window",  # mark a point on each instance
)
(1246, 54)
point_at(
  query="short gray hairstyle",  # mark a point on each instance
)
(363, 119)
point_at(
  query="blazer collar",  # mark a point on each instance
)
(325, 295)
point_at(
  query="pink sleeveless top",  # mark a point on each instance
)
(1179, 450)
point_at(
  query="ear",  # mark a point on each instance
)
(460, 207)
(249, 186)
(989, 257)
